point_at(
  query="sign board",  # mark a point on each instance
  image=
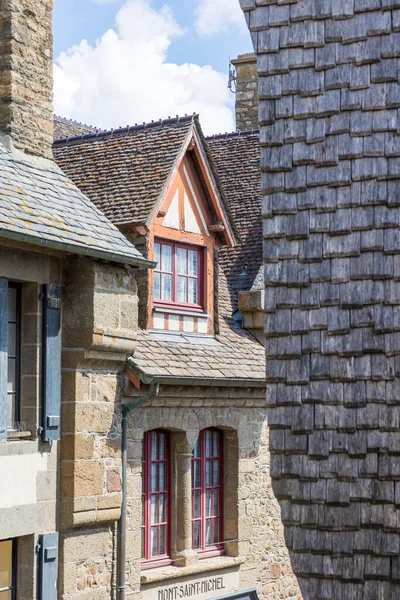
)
(204, 586)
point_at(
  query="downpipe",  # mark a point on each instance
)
(121, 530)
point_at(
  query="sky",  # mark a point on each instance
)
(121, 62)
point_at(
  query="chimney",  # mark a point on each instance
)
(246, 92)
(26, 74)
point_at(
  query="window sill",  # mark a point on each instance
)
(181, 311)
(18, 435)
(202, 566)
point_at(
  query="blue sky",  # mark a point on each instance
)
(177, 36)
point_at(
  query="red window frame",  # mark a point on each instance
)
(175, 246)
(152, 498)
(207, 487)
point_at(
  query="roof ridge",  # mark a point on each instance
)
(217, 136)
(65, 120)
(137, 127)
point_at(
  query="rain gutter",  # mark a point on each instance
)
(197, 381)
(118, 257)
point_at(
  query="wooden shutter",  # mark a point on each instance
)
(48, 566)
(51, 362)
(3, 357)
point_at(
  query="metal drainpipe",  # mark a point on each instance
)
(121, 531)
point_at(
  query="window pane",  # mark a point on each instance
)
(216, 437)
(5, 564)
(209, 532)
(154, 541)
(154, 510)
(216, 503)
(12, 304)
(157, 285)
(181, 255)
(216, 472)
(166, 287)
(209, 473)
(162, 507)
(196, 505)
(208, 443)
(12, 339)
(196, 541)
(157, 255)
(153, 445)
(166, 258)
(5, 595)
(161, 449)
(154, 486)
(163, 540)
(182, 297)
(11, 410)
(196, 451)
(196, 474)
(161, 477)
(193, 260)
(209, 512)
(216, 531)
(192, 291)
(12, 375)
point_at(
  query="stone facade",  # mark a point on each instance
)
(246, 92)
(255, 548)
(330, 95)
(26, 83)
(99, 327)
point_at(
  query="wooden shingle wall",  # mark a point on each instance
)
(329, 100)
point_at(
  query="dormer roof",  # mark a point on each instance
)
(126, 171)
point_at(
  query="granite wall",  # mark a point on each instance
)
(329, 100)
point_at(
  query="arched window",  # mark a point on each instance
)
(207, 493)
(155, 498)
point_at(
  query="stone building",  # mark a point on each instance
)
(194, 395)
(329, 90)
(246, 83)
(68, 303)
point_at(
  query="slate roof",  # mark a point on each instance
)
(64, 128)
(41, 206)
(237, 160)
(235, 357)
(124, 171)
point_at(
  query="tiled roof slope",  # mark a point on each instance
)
(237, 161)
(237, 356)
(40, 205)
(65, 128)
(124, 171)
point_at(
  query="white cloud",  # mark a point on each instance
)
(125, 78)
(216, 16)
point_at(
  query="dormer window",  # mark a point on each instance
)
(178, 275)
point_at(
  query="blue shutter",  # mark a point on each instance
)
(3, 357)
(51, 362)
(48, 566)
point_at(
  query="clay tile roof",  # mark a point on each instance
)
(40, 205)
(237, 161)
(124, 170)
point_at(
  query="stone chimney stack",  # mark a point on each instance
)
(246, 92)
(26, 74)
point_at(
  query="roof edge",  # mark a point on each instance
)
(118, 257)
(194, 381)
(101, 133)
